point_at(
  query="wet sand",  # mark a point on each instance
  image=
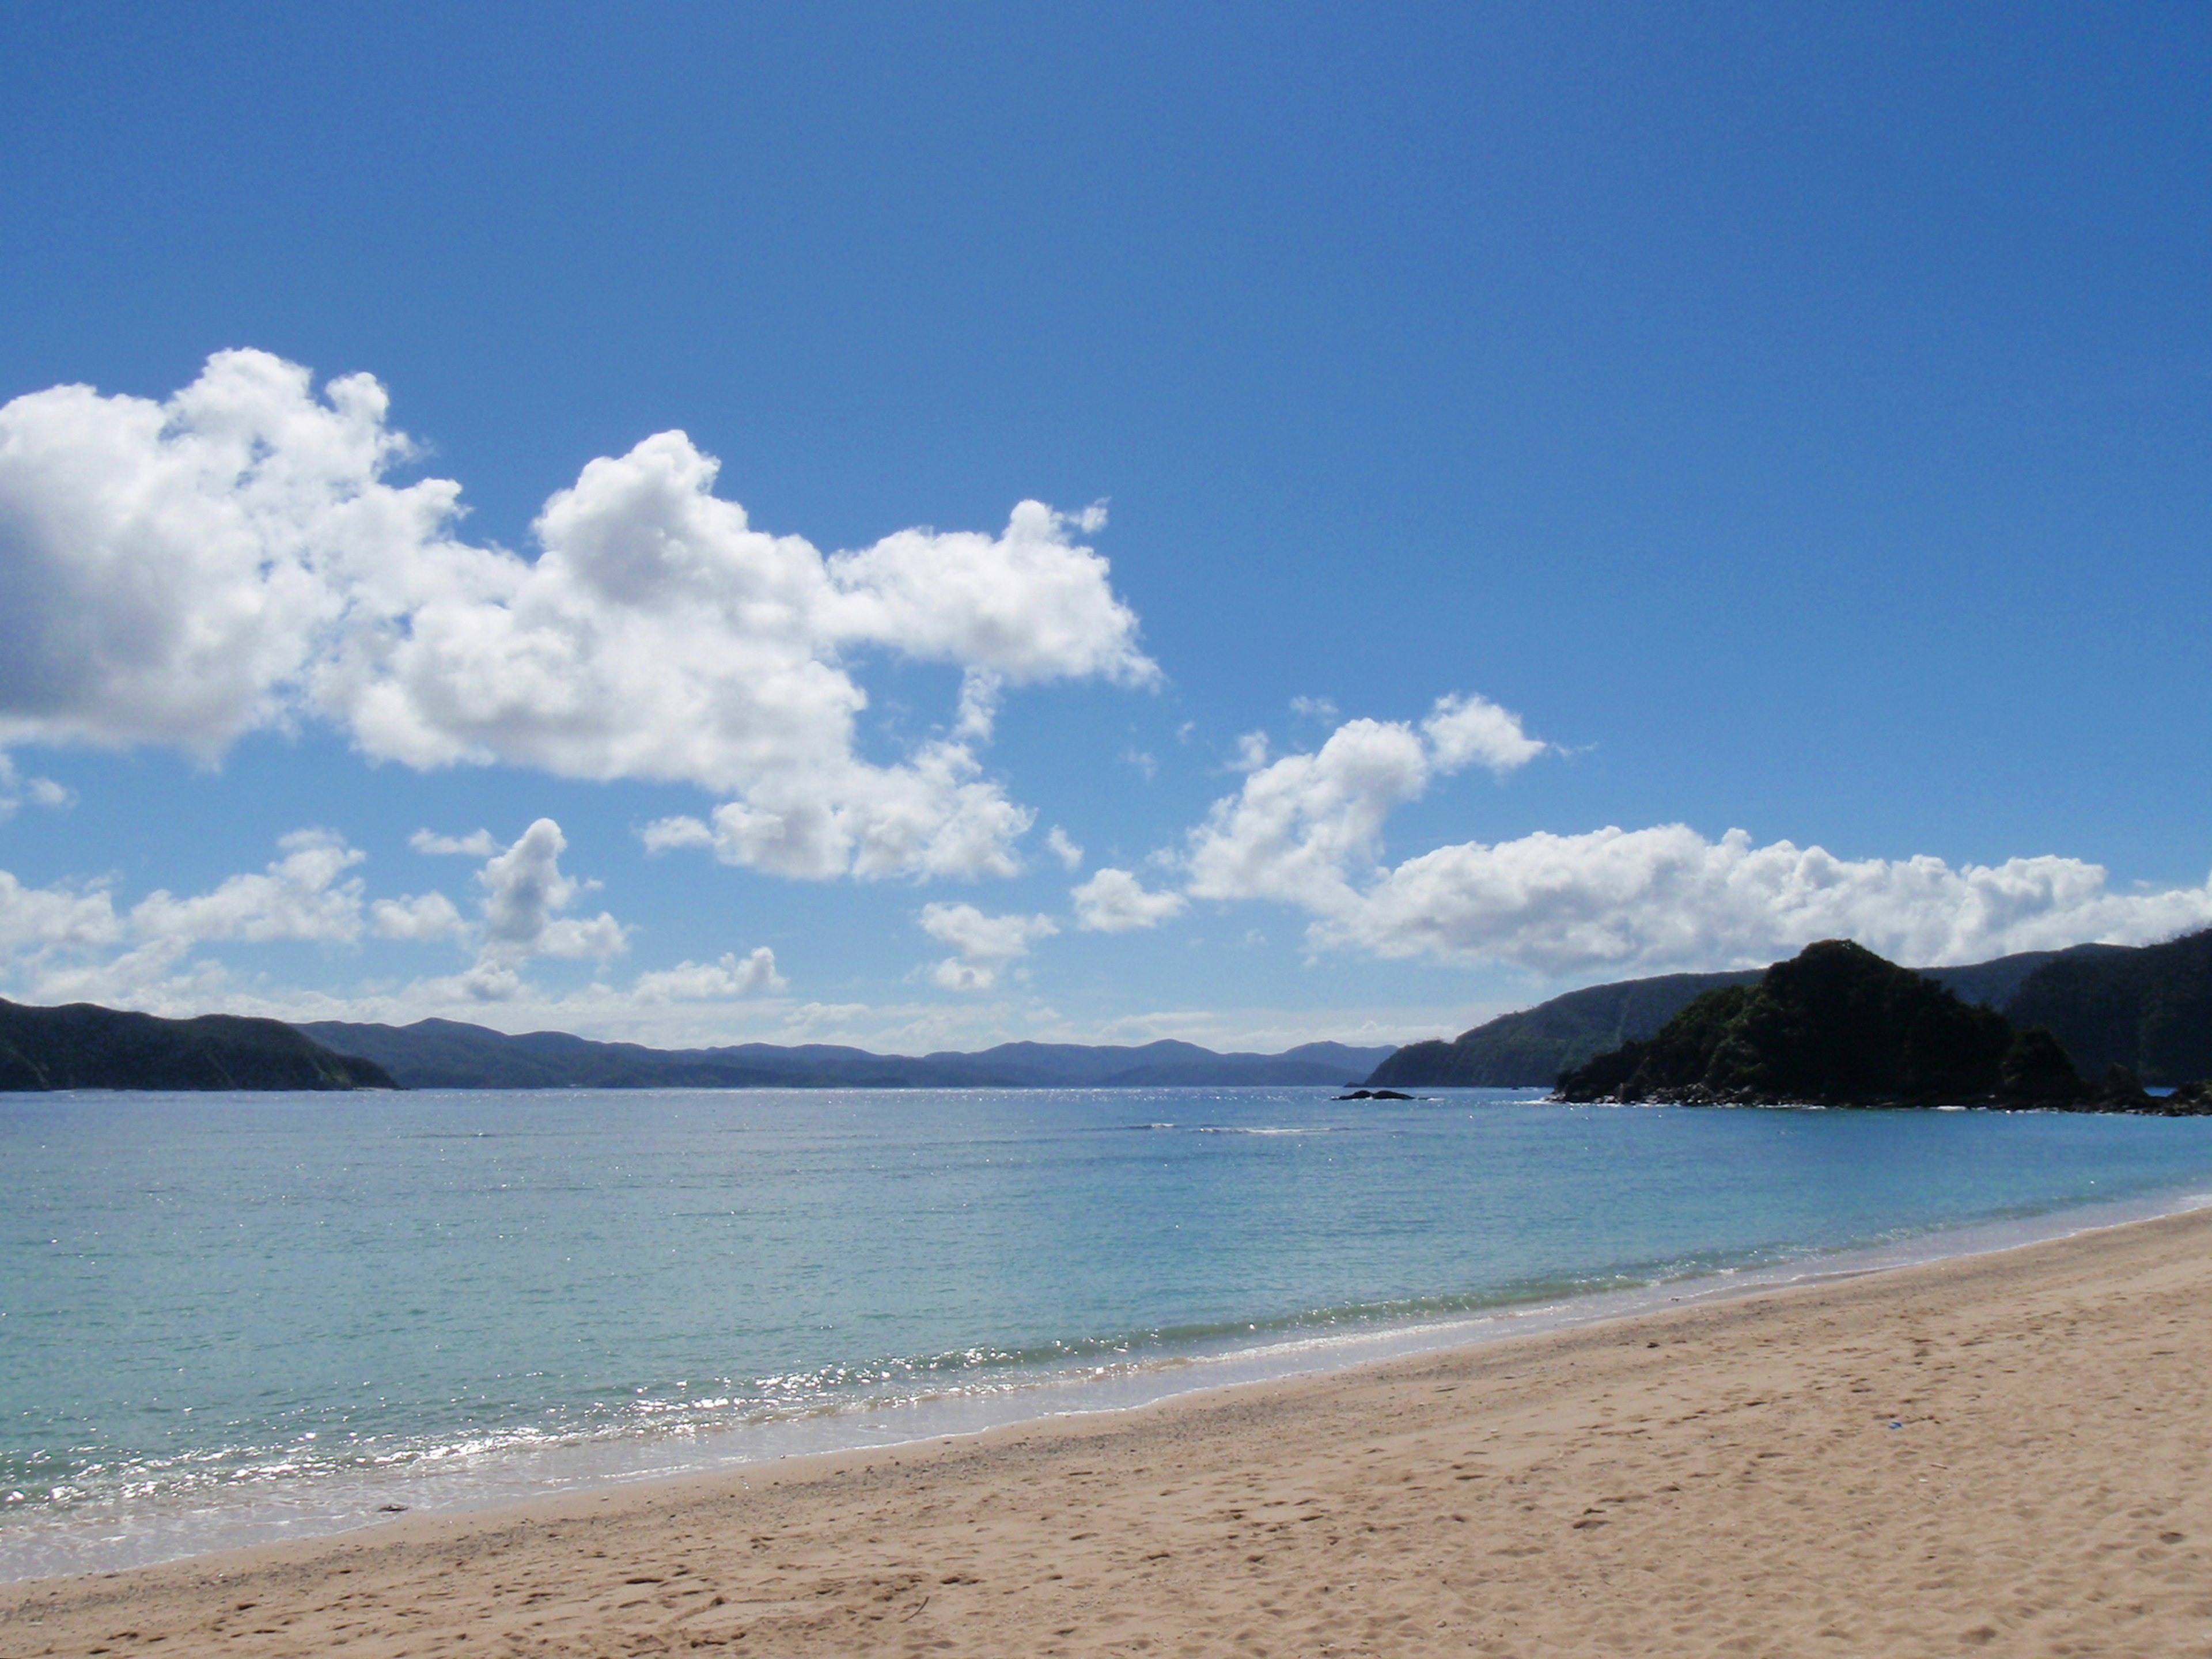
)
(2004, 1454)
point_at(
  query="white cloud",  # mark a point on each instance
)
(985, 943)
(300, 896)
(1301, 824)
(1668, 897)
(15, 789)
(928, 817)
(665, 835)
(707, 982)
(1307, 829)
(1116, 902)
(524, 895)
(477, 844)
(1057, 843)
(1301, 827)
(1464, 730)
(184, 573)
(981, 938)
(1314, 709)
(954, 975)
(64, 944)
(55, 918)
(424, 916)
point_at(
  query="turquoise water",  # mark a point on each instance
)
(224, 1317)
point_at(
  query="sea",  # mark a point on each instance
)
(230, 1319)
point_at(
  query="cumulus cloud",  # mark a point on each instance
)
(1301, 826)
(71, 943)
(1464, 730)
(68, 943)
(707, 981)
(476, 844)
(1116, 902)
(954, 975)
(300, 896)
(55, 918)
(985, 943)
(1061, 847)
(525, 898)
(424, 916)
(1307, 829)
(182, 573)
(1667, 897)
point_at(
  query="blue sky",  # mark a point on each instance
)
(1794, 420)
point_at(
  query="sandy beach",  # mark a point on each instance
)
(2006, 1454)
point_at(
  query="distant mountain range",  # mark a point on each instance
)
(83, 1047)
(443, 1054)
(2147, 1008)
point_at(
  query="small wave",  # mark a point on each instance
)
(1265, 1129)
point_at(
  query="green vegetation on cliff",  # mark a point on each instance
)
(84, 1046)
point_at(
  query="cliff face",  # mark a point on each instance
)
(84, 1046)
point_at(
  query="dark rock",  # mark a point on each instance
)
(2189, 1100)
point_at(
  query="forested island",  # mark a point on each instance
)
(1837, 1024)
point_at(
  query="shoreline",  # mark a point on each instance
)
(2003, 1451)
(585, 1470)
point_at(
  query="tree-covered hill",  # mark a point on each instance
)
(80, 1046)
(1838, 1025)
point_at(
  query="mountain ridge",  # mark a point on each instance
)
(441, 1053)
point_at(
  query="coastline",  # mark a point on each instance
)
(99, 1543)
(1730, 1458)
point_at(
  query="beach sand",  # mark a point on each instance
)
(1725, 1477)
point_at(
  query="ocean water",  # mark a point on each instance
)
(230, 1318)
